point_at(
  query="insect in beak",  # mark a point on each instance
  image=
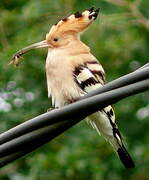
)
(16, 57)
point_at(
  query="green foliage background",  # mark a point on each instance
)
(121, 42)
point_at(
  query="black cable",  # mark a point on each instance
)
(58, 123)
(41, 136)
(84, 108)
(39, 122)
(144, 66)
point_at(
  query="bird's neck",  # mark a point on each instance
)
(78, 47)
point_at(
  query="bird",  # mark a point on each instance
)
(73, 71)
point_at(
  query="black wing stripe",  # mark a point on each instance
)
(96, 76)
(88, 82)
(78, 70)
(99, 74)
(91, 62)
(114, 127)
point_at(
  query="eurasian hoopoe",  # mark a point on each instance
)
(73, 71)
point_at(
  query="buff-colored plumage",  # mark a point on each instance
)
(73, 71)
(67, 53)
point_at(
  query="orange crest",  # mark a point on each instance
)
(75, 23)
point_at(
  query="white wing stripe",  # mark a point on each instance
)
(96, 67)
(84, 75)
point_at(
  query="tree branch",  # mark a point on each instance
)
(134, 11)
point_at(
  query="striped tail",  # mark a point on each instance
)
(107, 127)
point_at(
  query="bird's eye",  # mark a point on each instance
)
(55, 39)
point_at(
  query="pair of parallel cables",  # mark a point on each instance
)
(35, 132)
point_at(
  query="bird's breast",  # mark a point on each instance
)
(60, 82)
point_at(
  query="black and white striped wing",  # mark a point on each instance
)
(89, 76)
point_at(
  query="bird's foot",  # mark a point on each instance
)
(50, 109)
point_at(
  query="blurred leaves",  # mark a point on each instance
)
(120, 40)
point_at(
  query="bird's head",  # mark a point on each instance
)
(70, 28)
(63, 32)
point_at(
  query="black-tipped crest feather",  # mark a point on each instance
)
(91, 9)
(94, 13)
(78, 14)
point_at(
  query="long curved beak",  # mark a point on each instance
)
(16, 57)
